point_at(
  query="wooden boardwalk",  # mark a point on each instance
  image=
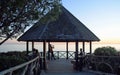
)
(62, 67)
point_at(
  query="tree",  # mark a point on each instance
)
(16, 15)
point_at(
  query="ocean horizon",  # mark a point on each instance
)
(57, 46)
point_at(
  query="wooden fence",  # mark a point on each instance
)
(31, 67)
(64, 54)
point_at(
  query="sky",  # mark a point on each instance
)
(102, 17)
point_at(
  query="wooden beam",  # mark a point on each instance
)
(66, 50)
(44, 55)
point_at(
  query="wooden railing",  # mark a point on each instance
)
(64, 54)
(31, 67)
(97, 62)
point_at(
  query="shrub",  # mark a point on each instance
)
(107, 51)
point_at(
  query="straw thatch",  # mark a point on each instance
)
(65, 28)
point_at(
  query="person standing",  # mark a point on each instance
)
(81, 52)
(51, 52)
(35, 52)
(81, 59)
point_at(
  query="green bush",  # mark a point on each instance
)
(107, 51)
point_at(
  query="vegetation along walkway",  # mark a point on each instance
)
(62, 67)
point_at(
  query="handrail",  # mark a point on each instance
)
(20, 66)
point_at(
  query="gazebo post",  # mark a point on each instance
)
(44, 55)
(76, 53)
(48, 51)
(32, 45)
(83, 46)
(27, 47)
(90, 47)
(66, 50)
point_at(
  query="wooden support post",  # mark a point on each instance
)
(76, 55)
(66, 50)
(83, 47)
(44, 55)
(58, 54)
(32, 45)
(48, 50)
(90, 47)
(27, 47)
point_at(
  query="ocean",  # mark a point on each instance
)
(57, 46)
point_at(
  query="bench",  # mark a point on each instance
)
(74, 63)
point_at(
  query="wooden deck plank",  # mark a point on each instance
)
(62, 67)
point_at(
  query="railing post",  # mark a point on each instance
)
(58, 54)
(11, 73)
(24, 71)
(66, 50)
(41, 63)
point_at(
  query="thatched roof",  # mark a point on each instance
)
(65, 28)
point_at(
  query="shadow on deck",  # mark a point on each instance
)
(62, 67)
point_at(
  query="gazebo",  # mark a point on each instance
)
(66, 28)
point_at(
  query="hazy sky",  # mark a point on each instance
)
(102, 17)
